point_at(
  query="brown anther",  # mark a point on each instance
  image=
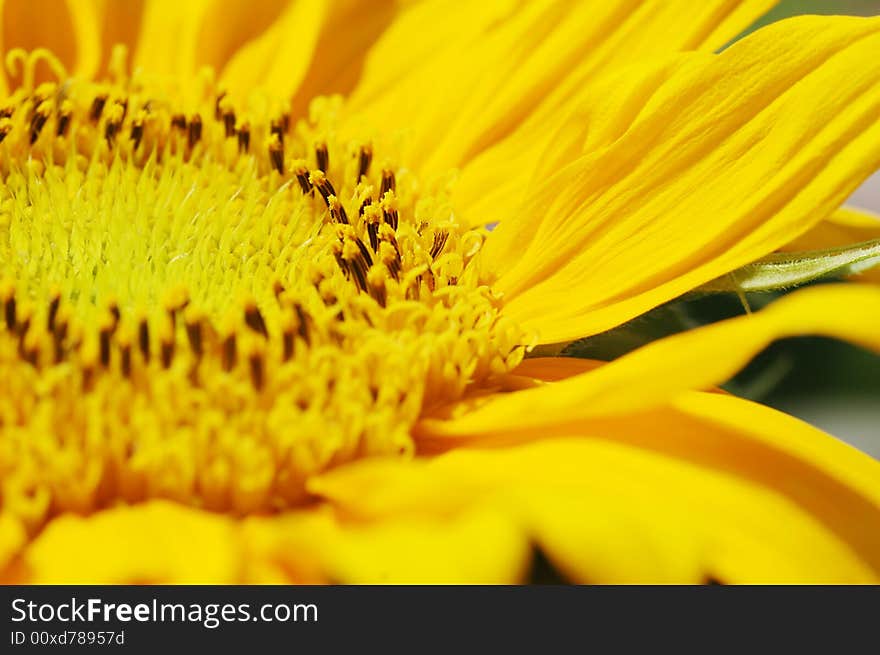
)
(389, 183)
(166, 352)
(377, 289)
(125, 359)
(364, 252)
(302, 176)
(365, 156)
(31, 353)
(276, 154)
(244, 138)
(229, 123)
(276, 129)
(179, 121)
(4, 131)
(137, 132)
(390, 256)
(37, 122)
(287, 344)
(285, 121)
(88, 377)
(110, 131)
(144, 339)
(58, 337)
(322, 184)
(229, 353)
(303, 322)
(254, 320)
(63, 123)
(277, 289)
(356, 263)
(113, 308)
(54, 304)
(257, 368)
(104, 343)
(337, 211)
(218, 110)
(428, 278)
(7, 112)
(194, 131)
(440, 239)
(24, 324)
(389, 209)
(194, 335)
(9, 311)
(322, 157)
(366, 203)
(97, 107)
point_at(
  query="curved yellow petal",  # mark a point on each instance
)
(847, 225)
(168, 37)
(473, 72)
(492, 185)
(348, 36)
(151, 543)
(162, 542)
(613, 512)
(277, 61)
(694, 167)
(697, 359)
(474, 546)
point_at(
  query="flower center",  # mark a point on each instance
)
(211, 307)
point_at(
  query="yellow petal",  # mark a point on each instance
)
(152, 543)
(473, 72)
(847, 225)
(697, 359)
(278, 60)
(472, 547)
(492, 185)
(610, 512)
(168, 38)
(693, 167)
(351, 29)
(161, 542)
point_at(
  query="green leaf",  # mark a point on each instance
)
(789, 269)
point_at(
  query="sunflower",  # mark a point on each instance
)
(271, 272)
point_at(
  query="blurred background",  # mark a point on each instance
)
(830, 384)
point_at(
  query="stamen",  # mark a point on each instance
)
(277, 129)
(64, 116)
(389, 209)
(364, 158)
(302, 176)
(337, 211)
(276, 153)
(41, 115)
(97, 107)
(229, 352)
(244, 137)
(322, 184)
(166, 351)
(388, 183)
(194, 134)
(440, 239)
(254, 319)
(144, 339)
(322, 157)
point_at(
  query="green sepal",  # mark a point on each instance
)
(790, 269)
